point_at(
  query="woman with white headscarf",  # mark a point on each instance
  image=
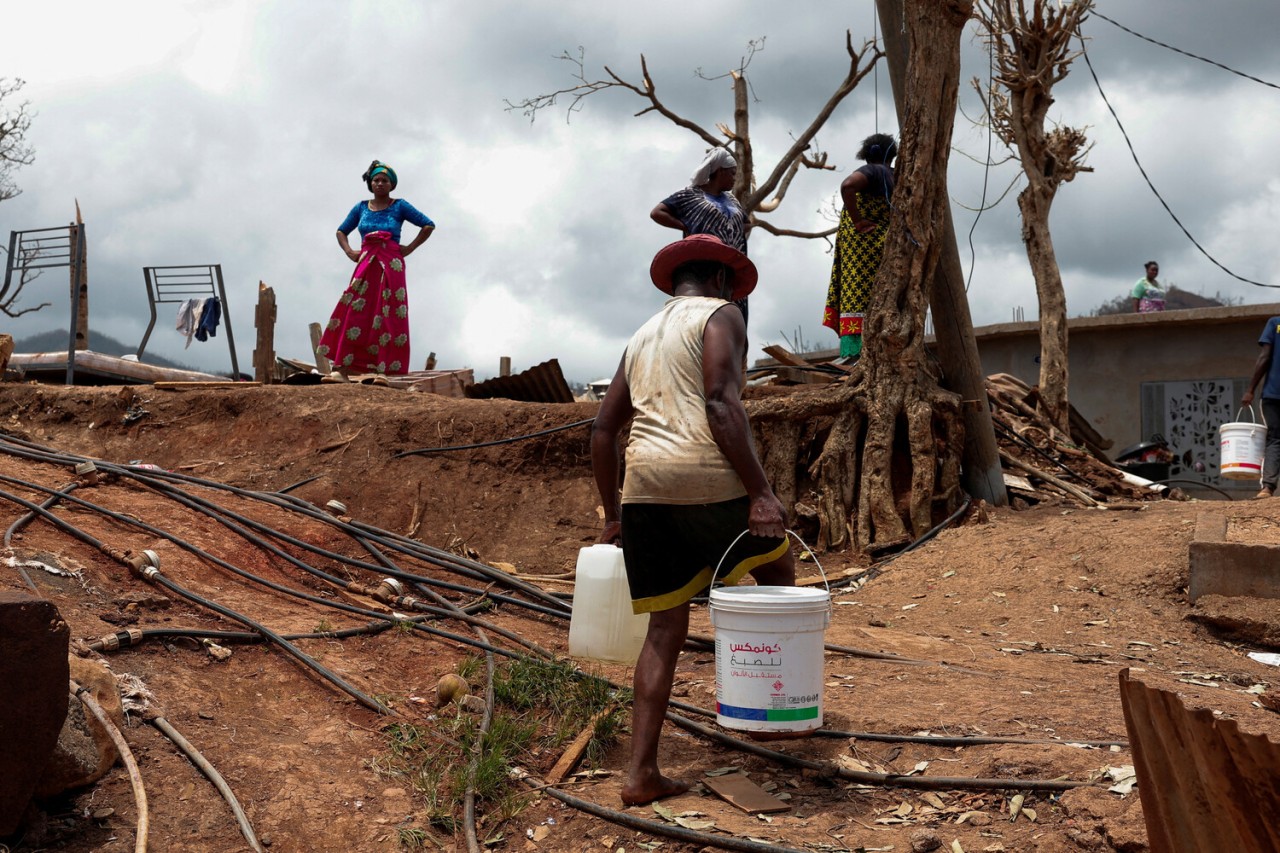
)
(707, 206)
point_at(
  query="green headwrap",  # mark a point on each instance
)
(380, 168)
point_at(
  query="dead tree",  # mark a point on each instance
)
(10, 290)
(1031, 52)
(888, 440)
(15, 121)
(756, 197)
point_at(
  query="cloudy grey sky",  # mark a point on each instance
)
(235, 132)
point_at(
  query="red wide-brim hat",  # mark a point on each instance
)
(703, 247)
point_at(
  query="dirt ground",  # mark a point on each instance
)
(1022, 622)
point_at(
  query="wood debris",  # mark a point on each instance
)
(1042, 465)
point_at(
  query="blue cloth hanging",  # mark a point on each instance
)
(209, 318)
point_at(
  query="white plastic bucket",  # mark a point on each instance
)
(1243, 444)
(769, 664)
(602, 626)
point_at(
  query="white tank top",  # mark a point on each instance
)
(672, 457)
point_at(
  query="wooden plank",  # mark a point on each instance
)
(80, 269)
(447, 383)
(785, 356)
(573, 752)
(739, 791)
(322, 364)
(264, 320)
(203, 386)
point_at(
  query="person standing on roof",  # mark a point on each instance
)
(1148, 293)
(695, 496)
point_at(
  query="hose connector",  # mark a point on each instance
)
(145, 565)
(389, 590)
(119, 640)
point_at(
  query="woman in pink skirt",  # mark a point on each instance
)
(369, 330)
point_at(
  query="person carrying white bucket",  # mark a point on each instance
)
(1269, 367)
(693, 482)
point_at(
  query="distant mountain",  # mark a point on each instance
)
(55, 340)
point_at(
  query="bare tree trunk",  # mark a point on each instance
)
(1034, 203)
(1031, 50)
(889, 460)
(957, 348)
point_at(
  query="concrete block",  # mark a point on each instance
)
(1226, 568)
(33, 702)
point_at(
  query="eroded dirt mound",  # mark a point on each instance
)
(1016, 627)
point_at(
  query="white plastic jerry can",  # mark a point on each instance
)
(602, 626)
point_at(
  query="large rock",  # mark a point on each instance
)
(33, 703)
(85, 751)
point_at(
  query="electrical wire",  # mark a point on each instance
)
(489, 647)
(412, 547)
(1025, 443)
(125, 639)
(986, 173)
(1145, 177)
(877, 568)
(494, 443)
(212, 774)
(153, 575)
(337, 605)
(866, 777)
(1095, 13)
(126, 755)
(1199, 483)
(652, 827)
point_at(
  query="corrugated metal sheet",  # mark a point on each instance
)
(542, 383)
(1206, 787)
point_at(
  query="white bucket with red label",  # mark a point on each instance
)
(1243, 444)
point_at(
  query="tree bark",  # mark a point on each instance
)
(889, 460)
(1034, 203)
(952, 320)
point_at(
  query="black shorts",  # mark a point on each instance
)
(671, 550)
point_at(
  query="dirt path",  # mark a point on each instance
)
(1021, 626)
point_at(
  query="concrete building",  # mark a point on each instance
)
(1179, 374)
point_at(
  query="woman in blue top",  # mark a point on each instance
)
(369, 329)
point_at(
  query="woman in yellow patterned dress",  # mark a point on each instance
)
(860, 241)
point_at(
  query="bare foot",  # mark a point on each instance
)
(637, 792)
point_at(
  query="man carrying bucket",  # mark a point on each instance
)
(1268, 366)
(693, 482)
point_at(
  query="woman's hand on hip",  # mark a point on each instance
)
(406, 251)
(353, 255)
